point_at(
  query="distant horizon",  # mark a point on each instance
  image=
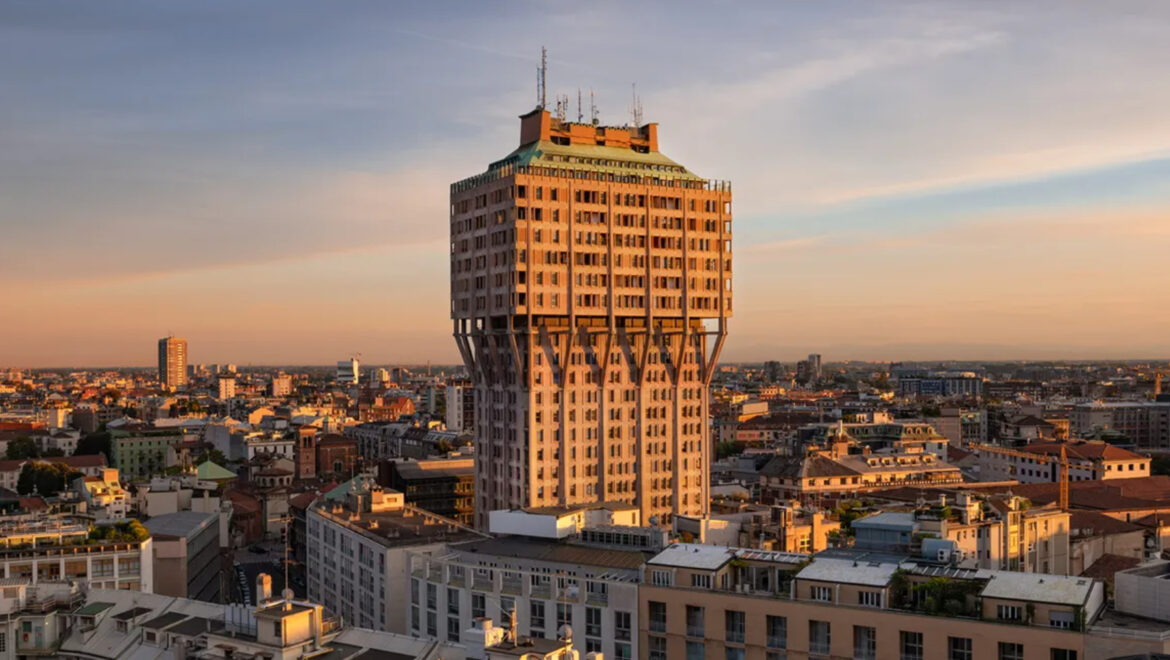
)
(446, 365)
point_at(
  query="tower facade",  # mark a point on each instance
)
(590, 293)
(172, 362)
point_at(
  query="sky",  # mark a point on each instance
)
(912, 181)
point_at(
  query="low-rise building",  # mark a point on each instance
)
(1039, 462)
(835, 472)
(702, 601)
(357, 546)
(186, 555)
(52, 548)
(104, 496)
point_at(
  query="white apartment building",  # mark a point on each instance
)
(551, 571)
(357, 543)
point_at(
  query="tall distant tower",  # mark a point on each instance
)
(590, 292)
(172, 362)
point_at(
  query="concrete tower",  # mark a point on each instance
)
(590, 292)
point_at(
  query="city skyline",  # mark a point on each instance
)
(915, 182)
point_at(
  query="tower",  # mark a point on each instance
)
(172, 362)
(590, 293)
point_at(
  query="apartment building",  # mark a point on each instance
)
(590, 292)
(543, 585)
(53, 548)
(445, 486)
(1039, 462)
(733, 603)
(172, 362)
(834, 472)
(1144, 423)
(997, 532)
(142, 453)
(460, 401)
(357, 541)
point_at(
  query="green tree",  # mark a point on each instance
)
(726, 449)
(214, 455)
(21, 448)
(45, 478)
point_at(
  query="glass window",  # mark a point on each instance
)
(959, 648)
(911, 643)
(696, 651)
(818, 637)
(478, 606)
(657, 617)
(657, 648)
(621, 625)
(622, 651)
(695, 624)
(536, 618)
(1063, 654)
(453, 629)
(593, 622)
(864, 643)
(734, 620)
(1011, 651)
(734, 653)
(777, 631)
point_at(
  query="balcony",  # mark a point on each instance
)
(512, 585)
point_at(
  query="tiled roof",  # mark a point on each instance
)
(1084, 450)
(1108, 564)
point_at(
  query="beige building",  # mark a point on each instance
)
(172, 362)
(728, 603)
(833, 471)
(590, 290)
(1039, 462)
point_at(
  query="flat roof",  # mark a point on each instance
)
(693, 555)
(183, 523)
(1038, 587)
(872, 573)
(398, 527)
(887, 519)
(553, 551)
(278, 609)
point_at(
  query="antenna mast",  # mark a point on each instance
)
(592, 108)
(637, 106)
(541, 76)
(580, 115)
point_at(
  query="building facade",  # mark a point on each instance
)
(590, 292)
(172, 362)
(356, 544)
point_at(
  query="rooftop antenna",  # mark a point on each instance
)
(541, 76)
(580, 114)
(637, 107)
(592, 108)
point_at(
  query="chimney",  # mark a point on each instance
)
(263, 589)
